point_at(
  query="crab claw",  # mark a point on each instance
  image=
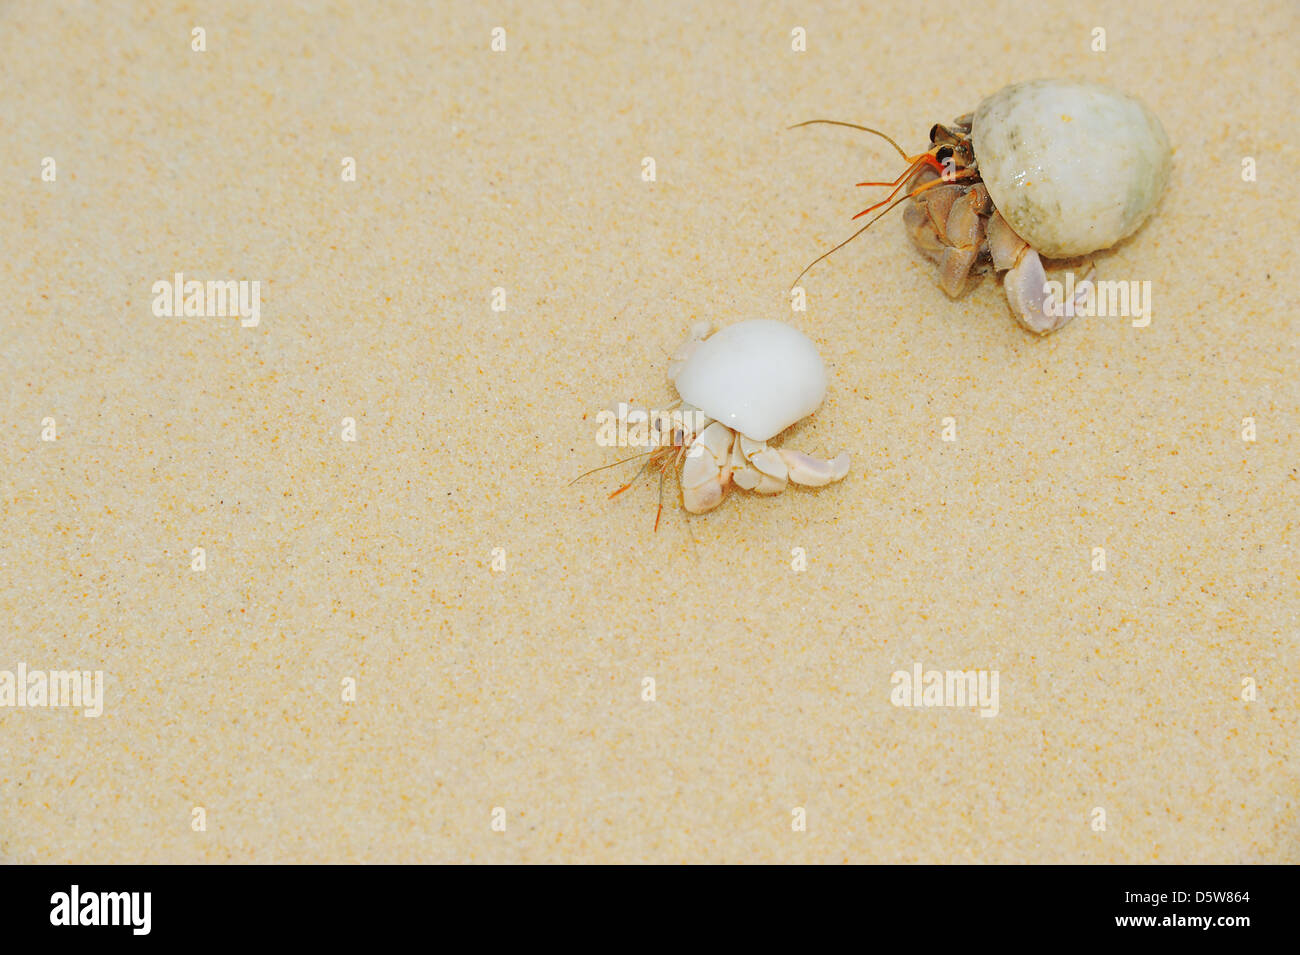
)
(1032, 305)
(815, 472)
(707, 469)
(1026, 281)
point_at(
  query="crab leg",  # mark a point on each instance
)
(765, 470)
(815, 472)
(757, 467)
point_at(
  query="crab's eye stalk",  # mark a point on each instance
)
(943, 153)
(934, 134)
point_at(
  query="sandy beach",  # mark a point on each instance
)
(326, 558)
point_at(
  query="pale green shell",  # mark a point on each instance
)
(1073, 167)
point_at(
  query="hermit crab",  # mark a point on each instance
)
(739, 388)
(1044, 169)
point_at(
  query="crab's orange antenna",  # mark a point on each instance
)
(865, 129)
(635, 477)
(925, 160)
(959, 174)
(606, 467)
(663, 458)
(832, 251)
(660, 513)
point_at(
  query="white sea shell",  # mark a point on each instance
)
(1073, 167)
(756, 377)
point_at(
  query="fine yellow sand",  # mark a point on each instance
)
(521, 687)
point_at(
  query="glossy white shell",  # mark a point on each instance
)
(756, 377)
(1073, 167)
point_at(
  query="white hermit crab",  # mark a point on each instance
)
(1050, 168)
(738, 389)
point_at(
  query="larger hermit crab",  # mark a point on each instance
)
(1044, 169)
